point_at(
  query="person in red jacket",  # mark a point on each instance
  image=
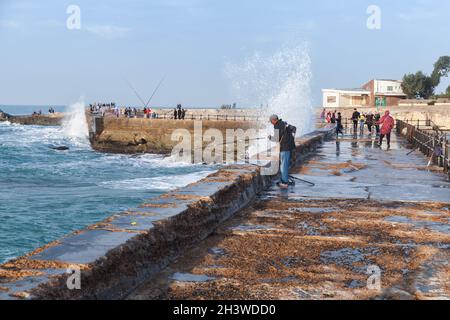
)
(387, 124)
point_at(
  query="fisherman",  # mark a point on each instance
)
(355, 118)
(387, 124)
(286, 134)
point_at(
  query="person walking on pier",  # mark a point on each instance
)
(377, 118)
(339, 126)
(369, 122)
(362, 123)
(287, 146)
(355, 118)
(387, 124)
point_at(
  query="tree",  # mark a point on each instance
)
(441, 69)
(417, 85)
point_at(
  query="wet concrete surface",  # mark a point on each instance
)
(370, 207)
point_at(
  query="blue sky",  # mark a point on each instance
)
(191, 41)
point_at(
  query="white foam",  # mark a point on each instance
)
(281, 82)
(75, 127)
(161, 183)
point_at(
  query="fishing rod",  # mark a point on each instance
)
(154, 91)
(302, 180)
(135, 91)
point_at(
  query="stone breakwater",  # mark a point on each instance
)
(38, 120)
(138, 135)
(116, 255)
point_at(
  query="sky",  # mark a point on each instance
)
(190, 42)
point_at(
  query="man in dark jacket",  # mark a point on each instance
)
(287, 145)
(355, 118)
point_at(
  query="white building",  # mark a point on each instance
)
(336, 98)
(377, 92)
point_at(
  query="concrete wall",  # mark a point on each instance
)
(119, 253)
(138, 135)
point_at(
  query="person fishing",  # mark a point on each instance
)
(387, 124)
(286, 140)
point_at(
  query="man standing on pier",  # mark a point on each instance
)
(287, 145)
(355, 118)
(387, 124)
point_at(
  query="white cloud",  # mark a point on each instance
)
(107, 31)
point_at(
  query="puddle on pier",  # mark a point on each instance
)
(349, 257)
(312, 230)
(313, 210)
(432, 225)
(189, 277)
(252, 227)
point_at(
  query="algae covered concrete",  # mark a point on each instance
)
(372, 212)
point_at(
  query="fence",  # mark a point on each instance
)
(192, 116)
(427, 137)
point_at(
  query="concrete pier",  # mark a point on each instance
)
(38, 120)
(235, 235)
(139, 135)
(370, 210)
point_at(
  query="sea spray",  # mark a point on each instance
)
(280, 83)
(75, 125)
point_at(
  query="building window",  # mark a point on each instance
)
(331, 99)
(390, 88)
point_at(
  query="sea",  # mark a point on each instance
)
(46, 194)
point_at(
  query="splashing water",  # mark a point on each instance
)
(75, 125)
(279, 82)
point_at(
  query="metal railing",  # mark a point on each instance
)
(429, 139)
(190, 116)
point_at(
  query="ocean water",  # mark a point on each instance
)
(46, 194)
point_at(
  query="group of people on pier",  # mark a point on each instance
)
(382, 125)
(179, 113)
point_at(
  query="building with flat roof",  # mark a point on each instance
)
(375, 93)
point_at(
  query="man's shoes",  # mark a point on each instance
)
(283, 185)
